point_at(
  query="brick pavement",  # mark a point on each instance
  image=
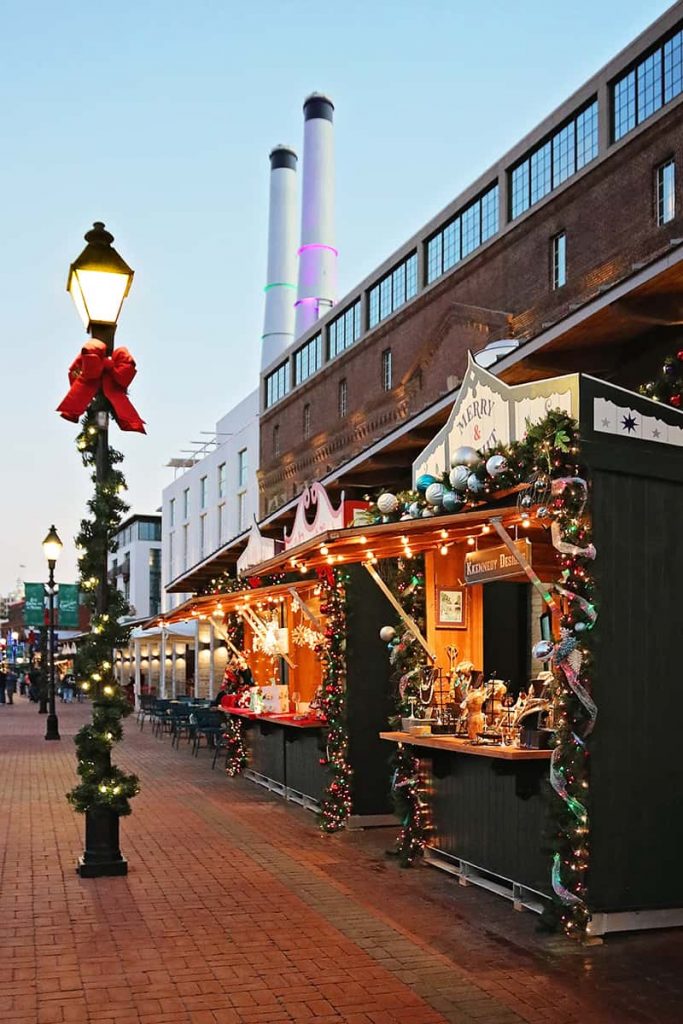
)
(236, 910)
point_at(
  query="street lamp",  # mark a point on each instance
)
(52, 547)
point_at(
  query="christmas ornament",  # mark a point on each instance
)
(387, 634)
(434, 494)
(415, 510)
(496, 465)
(466, 456)
(424, 481)
(675, 400)
(451, 501)
(543, 650)
(387, 504)
(458, 478)
(94, 369)
(474, 484)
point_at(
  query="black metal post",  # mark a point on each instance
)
(52, 724)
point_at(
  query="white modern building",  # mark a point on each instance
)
(214, 500)
(135, 566)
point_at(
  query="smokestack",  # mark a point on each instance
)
(278, 326)
(317, 291)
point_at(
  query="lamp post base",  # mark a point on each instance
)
(52, 728)
(102, 856)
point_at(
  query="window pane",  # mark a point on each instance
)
(435, 257)
(624, 105)
(411, 276)
(451, 245)
(673, 67)
(398, 287)
(520, 189)
(373, 307)
(540, 173)
(385, 306)
(471, 229)
(666, 192)
(489, 213)
(559, 244)
(649, 85)
(564, 147)
(587, 136)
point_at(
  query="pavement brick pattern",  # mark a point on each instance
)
(237, 910)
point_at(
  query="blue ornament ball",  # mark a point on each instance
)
(434, 494)
(415, 510)
(424, 481)
(580, 627)
(474, 484)
(451, 501)
(458, 478)
(542, 650)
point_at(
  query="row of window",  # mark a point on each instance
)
(139, 531)
(549, 165)
(636, 95)
(647, 87)
(463, 234)
(222, 479)
(223, 534)
(664, 212)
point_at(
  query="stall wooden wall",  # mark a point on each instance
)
(448, 571)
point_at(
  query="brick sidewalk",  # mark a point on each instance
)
(236, 909)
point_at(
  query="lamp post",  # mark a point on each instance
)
(99, 281)
(52, 546)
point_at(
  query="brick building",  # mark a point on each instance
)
(571, 246)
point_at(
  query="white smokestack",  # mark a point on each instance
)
(317, 290)
(278, 326)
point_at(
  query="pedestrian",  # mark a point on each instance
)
(11, 686)
(68, 689)
(23, 683)
(3, 683)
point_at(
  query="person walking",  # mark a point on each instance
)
(3, 683)
(11, 686)
(68, 689)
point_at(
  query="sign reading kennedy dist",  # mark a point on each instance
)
(496, 563)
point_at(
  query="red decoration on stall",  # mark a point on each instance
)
(93, 369)
(326, 573)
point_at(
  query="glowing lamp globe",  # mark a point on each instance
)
(99, 279)
(52, 546)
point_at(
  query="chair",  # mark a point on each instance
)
(159, 714)
(145, 709)
(179, 722)
(207, 724)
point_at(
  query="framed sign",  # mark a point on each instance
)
(451, 608)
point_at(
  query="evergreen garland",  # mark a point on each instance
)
(336, 803)
(102, 784)
(667, 387)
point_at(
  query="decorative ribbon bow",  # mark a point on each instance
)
(93, 369)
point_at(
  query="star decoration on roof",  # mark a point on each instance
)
(629, 423)
(656, 434)
(605, 422)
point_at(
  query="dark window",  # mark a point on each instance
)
(386, 369)
(666, 192)
(343, 330)
(343, 399)
(307, 420)
(559, 260)
(149, 531)
(466, 232)
(276, 440)
(395, 289)
(554, 161)
(277, 384)
(155, 581)
(655, 81)
(308, 359)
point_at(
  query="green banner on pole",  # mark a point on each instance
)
(67, 606)
(34, 606)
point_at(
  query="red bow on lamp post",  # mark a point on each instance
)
(93, 369)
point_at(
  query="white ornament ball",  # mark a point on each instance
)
(387, 504)
(496, 465)
(427, 512)
(466, 456)
(434, 494)
(387, 634)
(474, 484)
(458, 478)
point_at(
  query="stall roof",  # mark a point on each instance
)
(202, 607)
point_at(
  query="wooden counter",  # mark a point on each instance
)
(458, 746)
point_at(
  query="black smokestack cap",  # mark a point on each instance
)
(282, 156)
(317, 105)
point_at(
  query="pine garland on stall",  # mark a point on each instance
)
(102, 784)
(336, 803)
(667, 387)
(408, 661)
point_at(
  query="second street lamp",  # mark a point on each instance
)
(52, 547)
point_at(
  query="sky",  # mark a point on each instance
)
(157, 117)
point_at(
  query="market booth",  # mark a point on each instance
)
(508, 569)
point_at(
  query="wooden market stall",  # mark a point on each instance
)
(501, 577)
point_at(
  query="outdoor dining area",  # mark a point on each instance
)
(191, 719)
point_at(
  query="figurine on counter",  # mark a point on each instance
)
(461, 680)
(473, 704)
(496, 691)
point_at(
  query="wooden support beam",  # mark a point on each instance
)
(403, 615)
(519, 557)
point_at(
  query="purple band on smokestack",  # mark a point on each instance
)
(282, 156)
(317, 105)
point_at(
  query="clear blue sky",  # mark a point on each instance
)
(157, 117)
